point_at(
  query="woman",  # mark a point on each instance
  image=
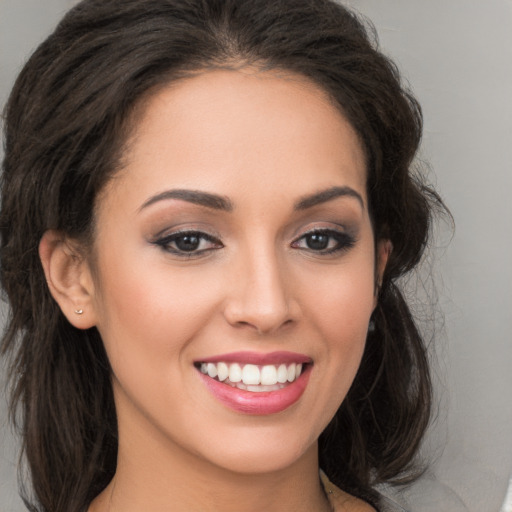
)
(206, 207)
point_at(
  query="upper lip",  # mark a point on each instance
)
(258, 358)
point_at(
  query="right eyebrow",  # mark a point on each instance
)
(213, 201)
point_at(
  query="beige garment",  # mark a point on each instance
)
(341, 501)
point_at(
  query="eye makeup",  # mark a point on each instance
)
(188, 231)
(188, 243)
(325, 241)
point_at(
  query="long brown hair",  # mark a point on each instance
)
(65, 124)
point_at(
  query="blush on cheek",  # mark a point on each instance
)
(347, 309)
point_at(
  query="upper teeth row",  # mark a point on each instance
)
(252, 374)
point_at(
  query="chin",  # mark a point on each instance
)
(262, 452)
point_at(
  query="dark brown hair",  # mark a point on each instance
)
(65, 124)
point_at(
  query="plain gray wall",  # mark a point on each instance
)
(457, 56)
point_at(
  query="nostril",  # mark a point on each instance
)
(263, 328)
(260, 308)
(243, 323)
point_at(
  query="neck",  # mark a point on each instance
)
(153, 474)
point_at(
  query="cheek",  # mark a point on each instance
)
(148, 309)
(343, 319)
(344, 298)
(339, 312)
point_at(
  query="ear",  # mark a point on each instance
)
(383, 251)
(69, 278)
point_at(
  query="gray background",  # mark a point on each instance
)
(457, 56)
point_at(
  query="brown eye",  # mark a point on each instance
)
(317, 241)
(188, 243)
(325, 241)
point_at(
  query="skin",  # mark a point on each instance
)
(263, 141)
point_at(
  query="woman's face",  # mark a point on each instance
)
(235, 244)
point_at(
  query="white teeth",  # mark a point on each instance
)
(268, 375)
(291, 372)
(262, 389)
(250, 374)
(235, 373)
(282, 374)
(212, 370)
(222, 371)
(252, 377)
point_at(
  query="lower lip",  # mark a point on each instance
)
(267, 402)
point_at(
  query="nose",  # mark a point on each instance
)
(259, 298)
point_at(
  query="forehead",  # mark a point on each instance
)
(221, 127)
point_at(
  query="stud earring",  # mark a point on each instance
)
(79, 311)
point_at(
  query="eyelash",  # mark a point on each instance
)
(343, 242)
(166, 241)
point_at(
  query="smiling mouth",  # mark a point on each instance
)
(252, 377)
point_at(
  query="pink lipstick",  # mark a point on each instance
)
(256, 383)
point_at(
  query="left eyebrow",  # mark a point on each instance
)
(323, 196)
